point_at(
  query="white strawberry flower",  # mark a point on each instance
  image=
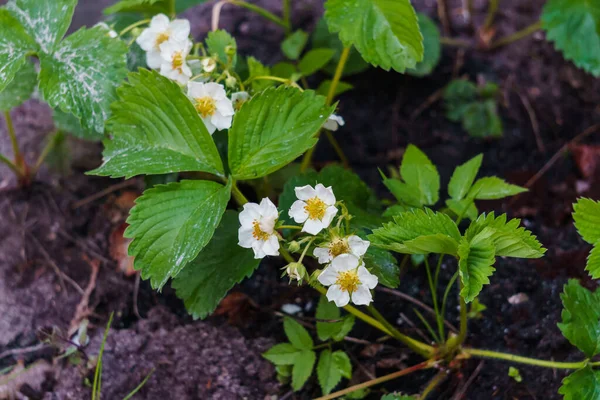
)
(347, 279)
(174, 65)
(341, 245)
(208, 64)
(314, 207)
(239, 98)
(334, 122)
(257, 230)
(161, 30)
(213, 105)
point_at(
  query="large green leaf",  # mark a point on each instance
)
(273, 128)
(45, 21)
(156, 130)
(431, 44)
(463, 177)
(476, 257)
(385, 32)
(418, 171)
(297, 334)
(14, 45)
(437, 244)
(493, 188)
(583, 384)
(587, 219)
(331, 368)
(82, 74)
(574, 27)
(303, 367)
(581, 317)
(171, 224)
(282, 354)
(20, 88)
(384, 265)
(219, 266)
(150, 7)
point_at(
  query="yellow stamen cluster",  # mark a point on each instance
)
(337, 247)
(348, 281)
(206, 106)
(315, 208)
(258, 233)
(177, 60)
(160, 39)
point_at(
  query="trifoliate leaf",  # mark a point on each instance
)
(508, 237)
(384, 266)
(272, 129)
(437, 244)
(45, 21)
(431, 44)
(493, 188)
(82, 74)
(583, 384)
(481, 119)
(574, 27)
(385, 32)
(171, 224)
(464, 208)
(342, 87)
(314, 60)
(476, 257)
(581, 317)
(221, 44)
(156, 130)
(14, 45)
(418, 171)
(303, 367)
(463, 177)
(150, 7)
(282, 354)
(413, 224)
(331, 368)
(256, 68)
(205, 281)
(297, 334)
(587, 219)
(293, 45)
(330, 324)
(20, 88)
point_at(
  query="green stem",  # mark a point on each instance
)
(260, 11)
(238, 195)
(462, 334)
(338, 149)
(454, 42)
(492, 9)
(10, 165)
(274, 78)
(172, 10)
(447, 292)
(133, 26)
(433, 383)
(286, 255)
(13, 138)
(523, 33)
(526, 360)
(432, 287)
(289, 227)
(286, 16)
(47, 149)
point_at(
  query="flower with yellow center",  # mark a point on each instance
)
(341, 245)
(161, 30)
(213, 105)
(347, 279)
(174, 65)
(314, 207)
(238, 99)
(257, 230)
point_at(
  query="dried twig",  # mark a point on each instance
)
(463, 390)
(102, 193)
(136, 290)
(61, 275)
(23, 350)
(532, 117)
(83, 311)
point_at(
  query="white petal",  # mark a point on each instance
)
(168, 48)
(328, 277)
(216, 91)
(153, 59)
(328, 217)
(325, 194)
(209, 125)
(345, 262)
(338, 296)
(249, 214)
(305, 192)
(362, 296)
(268, 209)
(160, 22)
(358, 247)
(366, 278)
(271, 246)
(180, 78)
(196, 90)
(239, 96)
(322, 254)
(245, 238)
(312, 226)
(225, 107)
(186, 71)
(221, 122)
(257, 247)
(147, 39)
(180, 29)
(298, 212)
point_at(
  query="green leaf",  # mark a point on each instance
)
(515, 374)
(303, 367)
(45, 21)
(476, 258)
(508, 237)
(182, 5)
(431, 44)
(256, 68)
(342, 87)
(156, 130)
(463, 177)
(463, 208)
(493, 188)
(384, 265)
(581, 317)
(88, 65)
(337, 330)
(437, 244)
(150, 7)
(219, 43)
(20, 88)
(574, 27)
(457, 96)
(583, 384)
(282, 354)
(297, 334)
(171, 224)
(272, 129)
(385, 32)
(410, 225)
(397, 396)
(418, 171)
(14, 45)
(293, 45)
(587, 219)
(593, 262)
(331, 368)
(481, 119)
(69, 123)
(284, 70)
(219, 266)
(314, 60)
(403, 192)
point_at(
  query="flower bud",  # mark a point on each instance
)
(296, 271)
(293, 246)
(230, 81)
(230, 50)
(208, 64)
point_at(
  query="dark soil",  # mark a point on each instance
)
(42, 232)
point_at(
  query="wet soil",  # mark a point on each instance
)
(49, 242)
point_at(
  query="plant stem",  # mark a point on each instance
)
(10, 165)
(133, 26)
(237, 194)
(432, 287)
(447, 292)
(462, 333)
(274, 78)
(526, 360)
(338, 149)
(172, 10)
(492, 9)
(289, 227)
(286, 255)
(454, 42)
(13, 139)
(260, 11)
(433, 383)
(376, 381)
(523, 33)
(46, 150)
(286, 16)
